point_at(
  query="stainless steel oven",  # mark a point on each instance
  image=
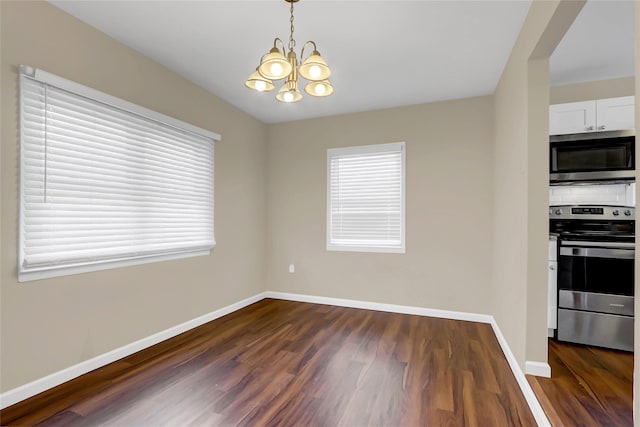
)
(595, 274)
(592, 156)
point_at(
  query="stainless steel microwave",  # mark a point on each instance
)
(592, 156)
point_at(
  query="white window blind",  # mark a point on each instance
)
(106, 183)
(366, 198)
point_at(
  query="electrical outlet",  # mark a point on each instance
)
(292, 268)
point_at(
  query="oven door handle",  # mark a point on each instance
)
(598, 252)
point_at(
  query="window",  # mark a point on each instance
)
(366, 198)
(105, 183)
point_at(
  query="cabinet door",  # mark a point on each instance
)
(552, 314)
(615, 113)
(574, 117)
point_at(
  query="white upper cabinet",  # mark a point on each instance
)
(616, 113)
(574, 117)
(592, 116)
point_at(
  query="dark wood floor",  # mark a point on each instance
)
(282, 363)
(590, 386)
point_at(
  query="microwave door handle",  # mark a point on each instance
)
(598, 252)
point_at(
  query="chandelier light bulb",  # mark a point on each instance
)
(288, 97)
(260, 86)
(315, 71)
(276, 69)
(320, 89)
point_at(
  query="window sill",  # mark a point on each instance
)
(46, 273)
(374, 249)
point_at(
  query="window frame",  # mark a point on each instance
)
(70, 268)
(369, 149)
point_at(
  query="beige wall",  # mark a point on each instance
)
(598, 89)
(447, 264)
(49, 325)
(521, 180)
(537, 208)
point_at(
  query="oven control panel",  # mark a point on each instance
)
(587, 211)
(592, 212)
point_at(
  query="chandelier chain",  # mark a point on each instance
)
(292, 42)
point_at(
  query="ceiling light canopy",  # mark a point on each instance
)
(275, 66)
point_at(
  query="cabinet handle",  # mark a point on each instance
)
(602, 127)
(590, 127)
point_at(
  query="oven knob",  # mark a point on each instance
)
(616, 213)
(627, 212)
(558, 212)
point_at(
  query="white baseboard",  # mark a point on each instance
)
(391, 308)
(539, 369)
(38, 386)
(529, 395)
(527, 391)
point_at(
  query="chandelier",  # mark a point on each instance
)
(274, 65)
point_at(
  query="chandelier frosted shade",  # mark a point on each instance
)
(259, 83)
(275, 66)
(321, 88)
(289, 93)
(315, 68)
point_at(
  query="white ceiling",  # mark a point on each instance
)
(382, 53)
(599, 44)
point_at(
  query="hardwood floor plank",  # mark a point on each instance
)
(444, 377)
(63, 419)
(547, 404)
(468, 401)
(283, 363)
(590, 386)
